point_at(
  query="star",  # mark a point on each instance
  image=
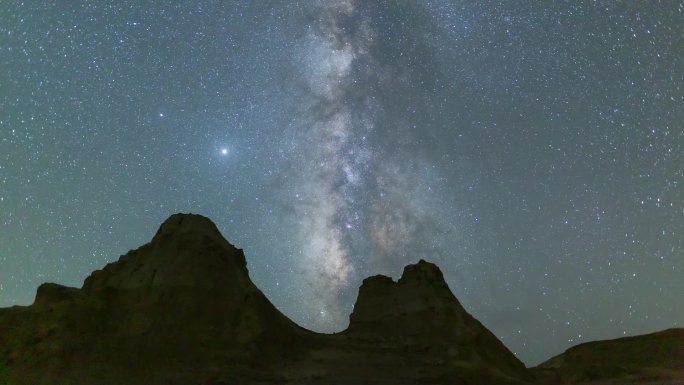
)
(493, 140)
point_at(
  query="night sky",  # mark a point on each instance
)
(534, 150)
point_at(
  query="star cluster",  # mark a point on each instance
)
(535, 152)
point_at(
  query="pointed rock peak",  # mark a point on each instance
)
(181, 225)
(422, 271)
(188, 250)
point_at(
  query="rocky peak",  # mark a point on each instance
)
(423, 271)
(416, 303)
(188, 250)
(188, 226)
(420, 312)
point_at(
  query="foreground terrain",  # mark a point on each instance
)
(183, 310)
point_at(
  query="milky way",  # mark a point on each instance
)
(533, 151)
(357, 203)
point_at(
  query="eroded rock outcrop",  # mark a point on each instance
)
(180, 308)
(421, 316)
(183, 310)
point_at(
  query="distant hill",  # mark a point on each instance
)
(656, 358)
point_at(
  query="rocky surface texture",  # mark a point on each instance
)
(183, 310)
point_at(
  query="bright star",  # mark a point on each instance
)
(224, 151)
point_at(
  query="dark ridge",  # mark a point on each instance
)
(182, 309)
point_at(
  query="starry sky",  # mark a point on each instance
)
(534, 150)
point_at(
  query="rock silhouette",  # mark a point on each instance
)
(183, 310)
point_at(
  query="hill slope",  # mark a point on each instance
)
(656, 358)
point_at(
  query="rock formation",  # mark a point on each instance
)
(176, 310)
(183, 310)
